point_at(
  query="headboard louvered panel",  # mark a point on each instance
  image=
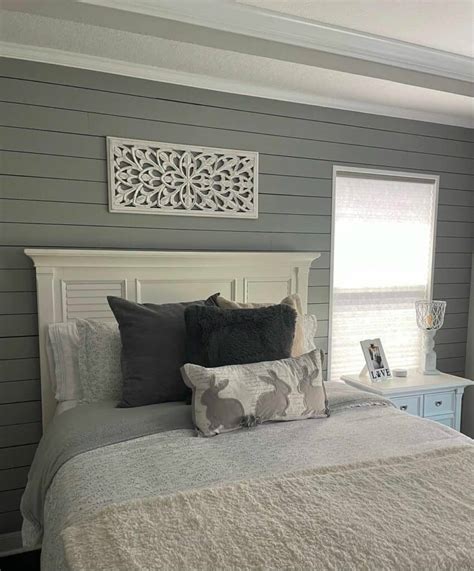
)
(74, 284)
(88, 299)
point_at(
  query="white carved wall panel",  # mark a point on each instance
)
(160, 178)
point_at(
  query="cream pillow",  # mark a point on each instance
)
(310, 328)
(235, 396)
(292, 300)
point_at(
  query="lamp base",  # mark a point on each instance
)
(430, 372)
(428, 358)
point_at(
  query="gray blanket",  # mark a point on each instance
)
(94, 426)
(86, 428)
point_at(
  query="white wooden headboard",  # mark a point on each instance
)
(74, 284)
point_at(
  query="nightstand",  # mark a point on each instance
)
(437, 397)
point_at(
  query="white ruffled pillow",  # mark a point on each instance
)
(62, 345)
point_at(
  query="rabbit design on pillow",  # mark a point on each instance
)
(311, 393)
(221, 412)
(273, 403)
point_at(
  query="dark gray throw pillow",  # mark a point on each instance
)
(216, 337)
(153, 350)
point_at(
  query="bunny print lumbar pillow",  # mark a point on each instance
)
(231, 397)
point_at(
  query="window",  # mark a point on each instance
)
(383, 240)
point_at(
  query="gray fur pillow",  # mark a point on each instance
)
(231, 397)
(217, 337)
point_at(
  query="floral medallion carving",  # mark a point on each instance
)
(160, 178)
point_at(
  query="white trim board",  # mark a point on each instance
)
(284, 28)
(234, 86)
(68, 279)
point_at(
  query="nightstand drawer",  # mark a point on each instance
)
(437, 404)
(410, 404)
(446, 420)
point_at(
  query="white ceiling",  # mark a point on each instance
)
(165, 40)
(440, 24)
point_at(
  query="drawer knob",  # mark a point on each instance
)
(404, 407)
(438, 403)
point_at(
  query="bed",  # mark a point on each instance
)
(369, 487)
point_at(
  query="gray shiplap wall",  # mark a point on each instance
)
(53, 194)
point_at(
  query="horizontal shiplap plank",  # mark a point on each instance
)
(449, 350)
(318, 294)
(19, 434)
(452, 275)
(277, 213)
(456, 229)
(25, 70)
(17, 280)
(321, 343)
(451, 335)
(18, 369)
(20, 412)
(320, 310)
(68, 236)
(460, 305)
(13, 478)
(319, 277)
(10, 521)
(19, 347)
(456, 214)
(451, 364)
(18, 325)
(10, 500)
(51, 189)
(17, 456)
(17, 302)
(454, 245)
(323, 262)
(20, 391)
(455, 320)
(453, 290)
(13, 258)
(453, 260)
(27, 164)
(455, 197)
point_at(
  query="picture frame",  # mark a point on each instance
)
(376, 361)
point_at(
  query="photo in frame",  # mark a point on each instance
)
(375, 359)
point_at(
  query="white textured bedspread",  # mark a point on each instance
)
(374, 516)
(174, 461)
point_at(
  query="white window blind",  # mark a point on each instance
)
(383, 232)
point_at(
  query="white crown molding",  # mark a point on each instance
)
(131, 69)
(278, 27)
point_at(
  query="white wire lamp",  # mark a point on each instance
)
(429, 318)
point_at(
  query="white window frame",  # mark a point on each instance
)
(383, 173)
